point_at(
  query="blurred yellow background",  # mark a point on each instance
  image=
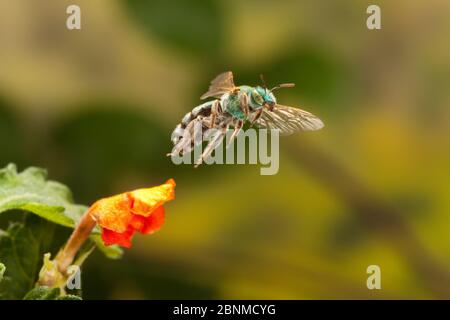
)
(96, 107)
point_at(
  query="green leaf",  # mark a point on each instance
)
(21, 249)
(43, 293)
(2, 271)
(46, 293)
(69, 297)
(30, 191)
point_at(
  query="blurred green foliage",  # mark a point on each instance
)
(102, 141)
(11, 138)
(194, 27)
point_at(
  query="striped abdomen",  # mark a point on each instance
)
(201, 110)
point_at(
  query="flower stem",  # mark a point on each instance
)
(82, 231)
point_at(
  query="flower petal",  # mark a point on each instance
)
(149, 199)
(123, 239)
(150, 224)
(139, 210)
(113, 213)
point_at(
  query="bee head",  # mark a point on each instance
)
(263, 97)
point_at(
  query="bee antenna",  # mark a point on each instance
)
(261, 76)
(283, 85)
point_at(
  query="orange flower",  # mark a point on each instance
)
(140, 210)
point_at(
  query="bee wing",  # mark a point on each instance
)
(289, 120)
(221, 84)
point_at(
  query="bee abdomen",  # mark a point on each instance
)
(201, 110)
(177, 133)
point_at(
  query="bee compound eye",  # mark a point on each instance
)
(257, 97)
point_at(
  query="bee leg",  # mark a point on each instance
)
(213, 120)
(237, 128)
(187, 141)
(214, 142)
(258, 114)
(215, 109)
(243, 101)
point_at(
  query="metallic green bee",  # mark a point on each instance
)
(233, 106)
